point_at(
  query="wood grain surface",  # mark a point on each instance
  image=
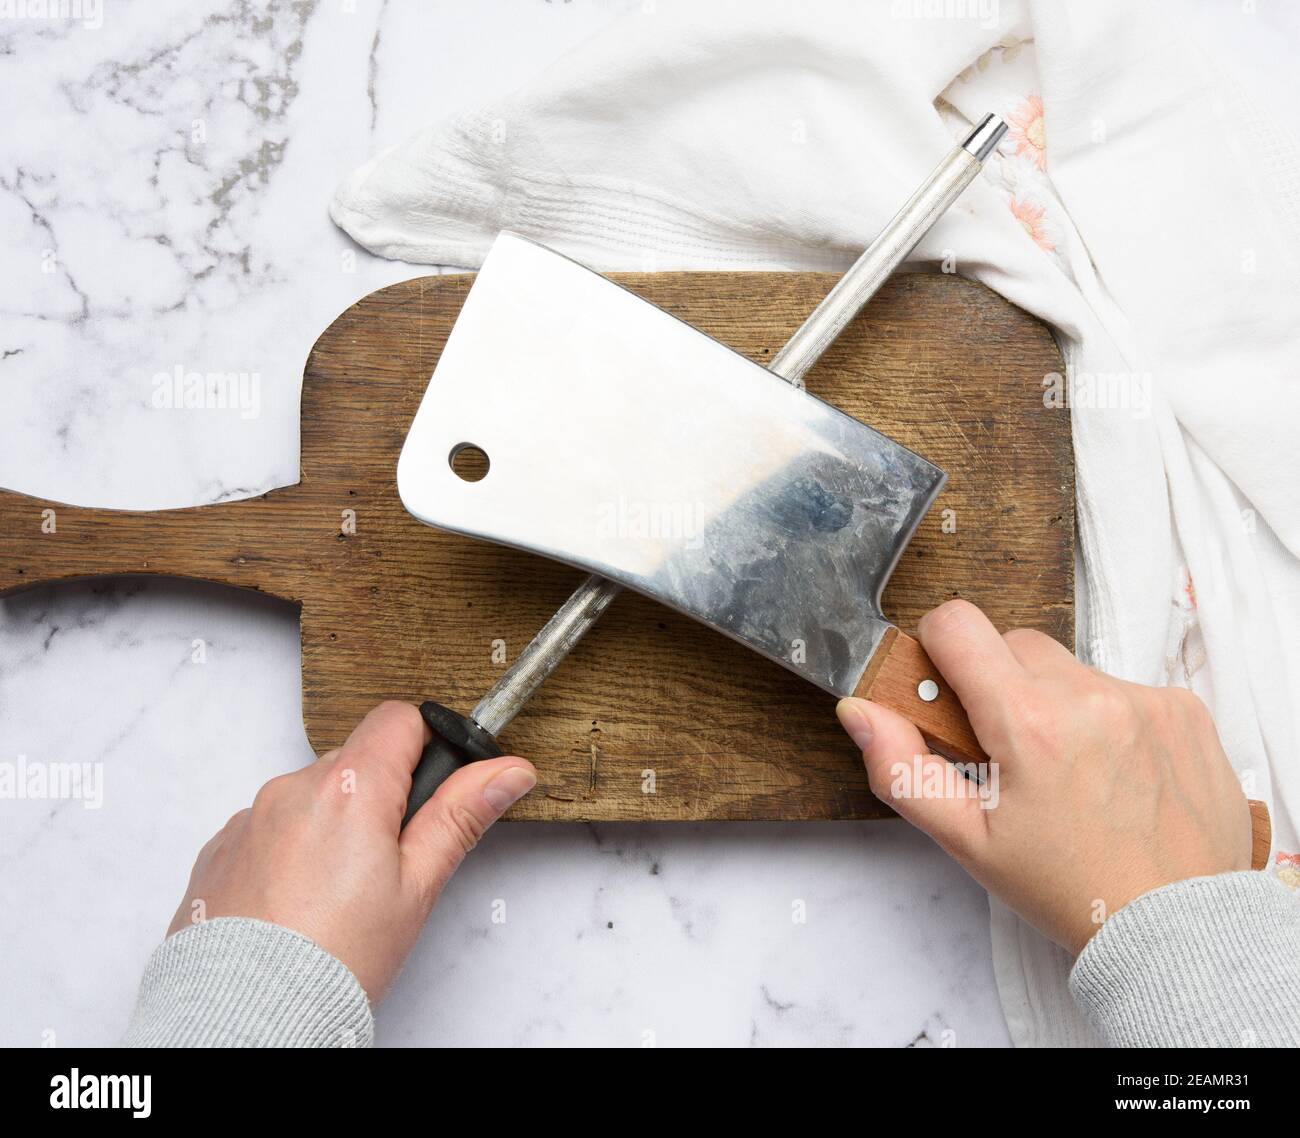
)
(652, 717)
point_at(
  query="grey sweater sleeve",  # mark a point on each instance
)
(237, 982)
(1214, 961)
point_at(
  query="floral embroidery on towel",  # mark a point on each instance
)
(1288, 869)
(1007, 48)
(1027, 131)
(1185, 647)
(1030, 216)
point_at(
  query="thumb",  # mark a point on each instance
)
(924, 788)
(450, 824)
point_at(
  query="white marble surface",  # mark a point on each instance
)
(163, 190)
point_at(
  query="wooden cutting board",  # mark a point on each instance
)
(653, 717)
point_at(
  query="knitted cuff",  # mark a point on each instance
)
(238, 982)
(1209, 962)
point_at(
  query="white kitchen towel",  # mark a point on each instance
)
(1143, 204)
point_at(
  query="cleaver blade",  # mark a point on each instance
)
(625, 442)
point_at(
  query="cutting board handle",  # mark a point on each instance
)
(252, 543)
(901, 676)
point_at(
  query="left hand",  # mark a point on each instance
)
(322, 850)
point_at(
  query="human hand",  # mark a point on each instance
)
(1105, 789)
(322, 850)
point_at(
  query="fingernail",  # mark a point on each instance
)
(505, 789)
(853, 718)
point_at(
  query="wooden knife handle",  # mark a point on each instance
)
(1261, 833)
(897, 678)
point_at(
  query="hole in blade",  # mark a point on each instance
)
(469, 462)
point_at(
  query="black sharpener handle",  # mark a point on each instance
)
(457, 740)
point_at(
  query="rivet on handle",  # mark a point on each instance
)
(928, 690)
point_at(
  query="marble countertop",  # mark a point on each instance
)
(164, 178)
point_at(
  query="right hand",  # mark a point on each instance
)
(1106, 789)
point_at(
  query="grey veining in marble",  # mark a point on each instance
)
(164, 179)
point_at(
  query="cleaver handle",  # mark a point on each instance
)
(894, 679)
(1261, 833)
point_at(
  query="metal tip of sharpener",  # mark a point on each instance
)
(984, 139)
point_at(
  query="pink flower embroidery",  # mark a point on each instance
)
(1288, 869)
(1190, 590)
(1027, 131)
(1030, 217)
